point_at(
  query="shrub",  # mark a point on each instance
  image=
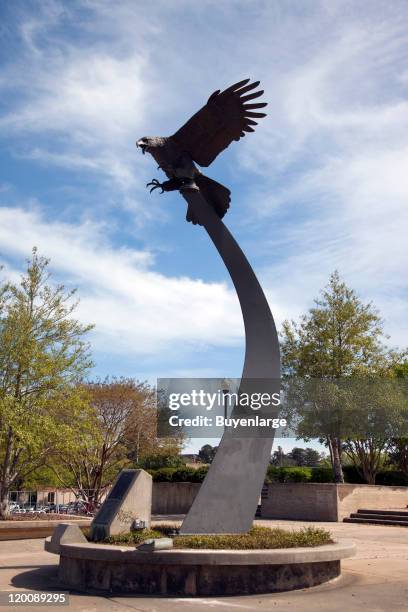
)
(322, 474)
(183, 474)
(162, 474)
(284, 474)
(288, 474)
(299, 474)
(352, 475)
(392, 478)
(133, 537)
(256, 538)
(158, 461)
(200, 474)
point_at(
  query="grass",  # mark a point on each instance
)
(256, 538)
(134, 537)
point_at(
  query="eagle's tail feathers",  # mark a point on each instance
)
(216, 194)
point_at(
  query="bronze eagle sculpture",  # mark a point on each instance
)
(226, 117)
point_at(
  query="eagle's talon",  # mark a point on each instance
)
(155, 184)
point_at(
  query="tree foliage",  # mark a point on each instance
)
(339, 338)
(207, 453)
(377, 413)
(299, 457)
(308, 457)
(43, 357)
(398, 446)
(122, 428)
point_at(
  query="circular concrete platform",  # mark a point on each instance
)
(114, 569)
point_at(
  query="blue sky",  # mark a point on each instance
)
(322, 184)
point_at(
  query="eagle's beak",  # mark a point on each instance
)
(142, 145)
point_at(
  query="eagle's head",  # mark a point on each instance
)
(149, 142)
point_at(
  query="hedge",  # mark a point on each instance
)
(285, 474)
(352, 475)
(392, 478)
(325, 474)
(185, 474)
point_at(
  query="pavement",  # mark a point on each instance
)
(375, 580)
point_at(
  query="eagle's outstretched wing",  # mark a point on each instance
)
(225, 117)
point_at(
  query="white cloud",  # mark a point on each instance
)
(90, 97)
(356, 221)
(329, 160)
(137, 311)
(332, 171)
(93, 107)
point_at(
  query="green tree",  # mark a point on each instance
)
(298, 456)
(398, 453)
(312, 457)
(166, 455)
(207, 453)
(401, 370)
(280, 459)
(42, 358)
(398, 446)
(378, 412)
(340, 337)
(122, 427)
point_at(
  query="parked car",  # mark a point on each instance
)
(29, 507)
(86, 508)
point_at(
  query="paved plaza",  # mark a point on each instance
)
(375, 580)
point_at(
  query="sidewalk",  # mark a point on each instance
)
(375, 580)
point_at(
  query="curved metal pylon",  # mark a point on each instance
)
(228, 497)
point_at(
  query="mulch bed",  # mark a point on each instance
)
(32, 516)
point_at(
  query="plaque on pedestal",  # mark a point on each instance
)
(127, 506)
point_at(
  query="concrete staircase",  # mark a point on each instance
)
(397, 518)
(264, 494)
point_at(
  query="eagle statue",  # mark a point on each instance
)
(227, 116)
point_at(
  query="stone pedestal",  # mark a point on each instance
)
(127, 506)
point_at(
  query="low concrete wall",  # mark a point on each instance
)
(113, 569)
(173, 497)
(23, 530)
(300, 501)
(377, 497)
(328, 502)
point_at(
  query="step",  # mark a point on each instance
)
(379, 511)
(380, 516)
(373, 521)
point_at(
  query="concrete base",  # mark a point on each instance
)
(27, 530)
(65, 533)
(196, 580)
(114, 569)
